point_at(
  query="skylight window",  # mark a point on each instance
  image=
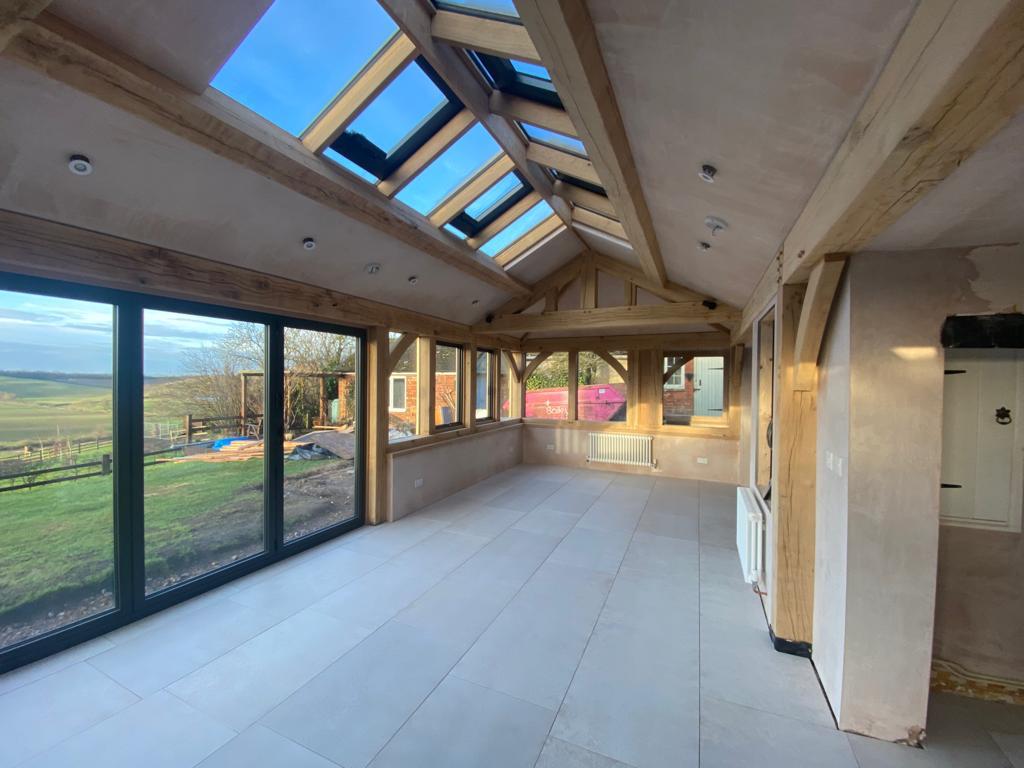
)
(300, 55)
(406, 114)
(399, 110)
(504, 8)
(544, 136)
(521, 226)
(531, 70)
(494, 202)
(456, 164)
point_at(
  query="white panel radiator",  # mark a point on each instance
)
(612, 448)
(749, 534)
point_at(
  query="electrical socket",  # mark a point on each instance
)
(702, 459)
(551, 446)
(417, 483)
(828, 460)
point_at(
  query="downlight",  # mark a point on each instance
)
(309, 243)
(80, 165)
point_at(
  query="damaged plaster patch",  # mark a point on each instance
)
(999, 279)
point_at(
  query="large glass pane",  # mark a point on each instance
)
(403, 391)
(560, 140)
(531, 70)
(399, 110)
(601, 391)
(321, 430)
(495, 7)
(483, 384)
(203, 444)
(447, 385)
(56, 447)
(540, 212)
(501, 191)
(694, 387)
(547, 388)
(300, 55)
(504, 388)
(456, 164)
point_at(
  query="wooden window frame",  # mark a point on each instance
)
(460, 387)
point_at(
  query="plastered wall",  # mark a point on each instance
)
(449, 466)
(876, 660)
(677, 456)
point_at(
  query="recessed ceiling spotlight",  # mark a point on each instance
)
(309, 243)
(704, 245)
(413, 279)
(715, 224)
(372, 268)
(80, 165)
(708, 173)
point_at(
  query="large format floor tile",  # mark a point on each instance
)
(545, 617)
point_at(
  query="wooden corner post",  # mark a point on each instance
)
(378, 355)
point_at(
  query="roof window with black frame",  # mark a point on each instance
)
(486, 209)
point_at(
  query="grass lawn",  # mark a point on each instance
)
(58, 539)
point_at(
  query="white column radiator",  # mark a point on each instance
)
(613, 448)
(749, 535)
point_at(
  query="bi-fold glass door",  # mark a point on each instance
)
(153, 449)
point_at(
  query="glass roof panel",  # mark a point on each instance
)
(543, 135)
(498, 7)
(456, 164)
(517, 229)
(400, 108)
(533, 70)
(348, 165)
(452, 230)
(300, 55)
(505, 186)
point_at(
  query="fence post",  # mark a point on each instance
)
(188, 429)
(105, 468)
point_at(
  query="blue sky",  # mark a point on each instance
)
(43, 333)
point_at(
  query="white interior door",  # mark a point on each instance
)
(982, 456)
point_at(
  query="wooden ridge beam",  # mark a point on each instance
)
(498, 38)
(219, 125)
(452, 131)
(457, 201)
(563, 161)
(532, 112)
(415, 20)
(954, 79)
(14, 14)
(513, 213)
(605, 318)
(584, 198)
(566, 39)
(531, 239)
(375, 76)
(817, 303)
(601, 223)
(690, 342)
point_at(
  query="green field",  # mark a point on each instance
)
(39, 410)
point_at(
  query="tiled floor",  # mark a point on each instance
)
(543, 617)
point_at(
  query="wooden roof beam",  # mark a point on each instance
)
(498, 38)
(219, 125)
(563, 161)
(14, 14)
(565, 37)
(532, 112)
(617, 318)
(364, 88)
(601, 223)
(955, 78)
(531, 239)
(584, 198)
(669, 292)
(452, 131)
(513, 213)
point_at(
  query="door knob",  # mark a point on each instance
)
(1003, 415)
